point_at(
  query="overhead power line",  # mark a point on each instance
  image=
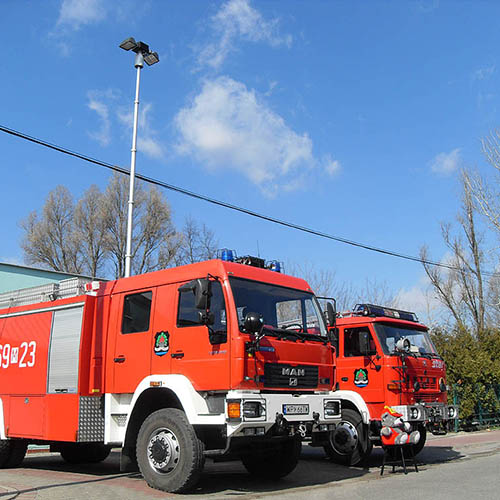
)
(230, 206)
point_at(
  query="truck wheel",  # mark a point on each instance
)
(5, 445)
(17, 452)
(84, 453)
(274, 464)
(12, 452)
(349, 443)
(169, 454)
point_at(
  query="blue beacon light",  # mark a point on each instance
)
(275, 265)
(226, 255)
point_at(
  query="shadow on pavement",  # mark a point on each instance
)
(218, 477)
(229, 477)
(429, 455)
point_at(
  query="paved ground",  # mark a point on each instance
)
(454, 467)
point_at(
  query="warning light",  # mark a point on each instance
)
(226, 254)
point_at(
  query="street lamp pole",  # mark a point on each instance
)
(142, 53)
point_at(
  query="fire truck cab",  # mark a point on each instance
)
(172, 366)
(387, 357)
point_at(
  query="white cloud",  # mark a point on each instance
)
(106, 105)
(76, 13)
(332, 167)
(484, 73)
(446, 163)
(237, 18)
(226, 126)
(421, 300)
(147, 141)
(98, 101)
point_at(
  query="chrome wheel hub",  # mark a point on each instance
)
(344, 438)
(163, 451)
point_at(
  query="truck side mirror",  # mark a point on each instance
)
(330, 314)
(202, 289)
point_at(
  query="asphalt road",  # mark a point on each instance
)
(462, 466)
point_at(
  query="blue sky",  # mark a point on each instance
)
(353, 118)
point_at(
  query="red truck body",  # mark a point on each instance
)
(411, 380)
(100, 366)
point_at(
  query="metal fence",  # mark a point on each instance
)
(479, 405)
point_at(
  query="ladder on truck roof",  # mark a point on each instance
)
(64, 289)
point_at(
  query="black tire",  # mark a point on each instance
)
(17, 453)
(169, 454)
(274, 464)
(5, 445)
(84, 453)
(12, 452)
(349, 442)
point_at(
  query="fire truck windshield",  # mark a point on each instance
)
(287, 312)
(389, 334)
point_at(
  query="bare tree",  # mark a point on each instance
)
(152, 224)
(461, 289)
(50, 239)
(485, 193)
(91, 230)
(91, 237)
(325, 283)
(155, 231)
(196, 243)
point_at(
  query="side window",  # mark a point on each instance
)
(188, 314)
(136, 312)
(358, 342)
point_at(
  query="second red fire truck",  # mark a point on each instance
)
(388, 358)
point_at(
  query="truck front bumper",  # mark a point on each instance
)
(432, 413)
(255, 414)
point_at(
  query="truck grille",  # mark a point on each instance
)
(427, 398)
(427, 382)
(284, 375)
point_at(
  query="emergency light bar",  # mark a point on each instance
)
(228, 255)
(388, 312)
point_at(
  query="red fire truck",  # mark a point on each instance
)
(171, 366)
(387, 357)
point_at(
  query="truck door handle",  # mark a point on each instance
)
(119, 359)
(177, 354)
(344, 379)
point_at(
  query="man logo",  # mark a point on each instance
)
(294, 372)
(293, 382)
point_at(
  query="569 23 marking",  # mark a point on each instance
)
(23, 356)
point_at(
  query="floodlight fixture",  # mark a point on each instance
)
(128, 44)
(151, 58)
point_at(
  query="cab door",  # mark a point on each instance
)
(357, 364)
(160, 348)
(198, 351)
(133, 327)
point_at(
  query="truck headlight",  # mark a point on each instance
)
(452, 412)
(414, 413)
(331, 409)
(253, 409)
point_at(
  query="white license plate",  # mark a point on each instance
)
(295, 409)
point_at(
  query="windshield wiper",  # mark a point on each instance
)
(283, 332)
(302, 335)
